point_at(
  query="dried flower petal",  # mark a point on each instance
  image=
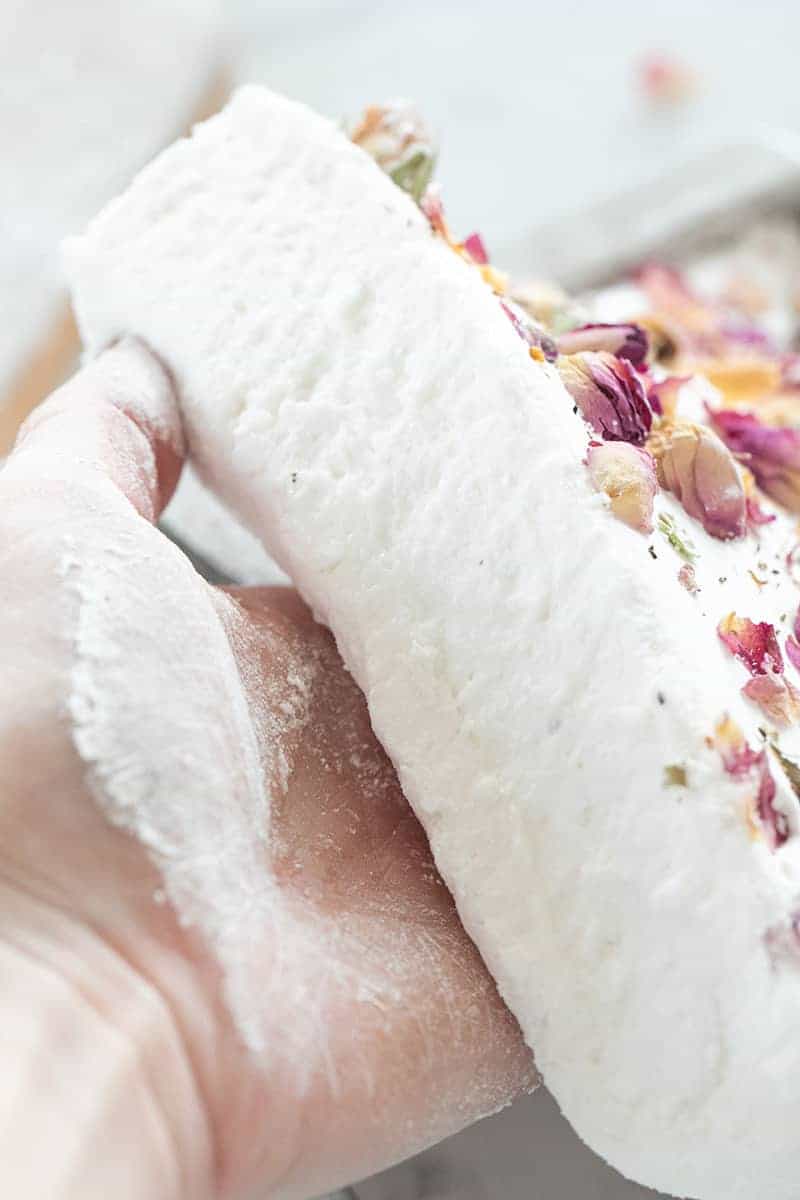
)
(669, 293)
(476, 250)
(686, 578)
(663, 395)
(737, 356)
(793, 642)
(737, 757)
(547, 303)
(697, 467)
(753, 643)
(627, 475)
(783, 942)
(793, 651)
(740, 378)
(609, 393)
(755, 513)
(529, 330)
(777, 698)
(793, 564)
(745, 294)
(666, 80)
(433, 208)
(625, 341)
(739, 760)
(790, 371)
(774, 823)
(773, 455)
(396, 137)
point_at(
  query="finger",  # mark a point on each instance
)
(117, 418)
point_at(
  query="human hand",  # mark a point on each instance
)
(229, 966)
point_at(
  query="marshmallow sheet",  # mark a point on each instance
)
(356, 394)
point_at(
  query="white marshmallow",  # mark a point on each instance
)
(356, 393)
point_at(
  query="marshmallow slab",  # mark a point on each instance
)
(354, 391)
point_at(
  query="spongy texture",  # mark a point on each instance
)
(356, 393)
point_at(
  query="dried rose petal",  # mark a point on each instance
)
(755, 513)
(741, 378)
(753, 643)
(793, 651)
(737, 756)
(666, 80)
(793, 564)
(476, 250)
(433, 208)
(739, 760)
(625, 341)
(777, 698)
(774, 823)
(697, 467)
(396, 137)
(529, 330)
(686, 578)
(773, 455)
(548, 303)
(783, 941)
(741, 333)
(746, 295)
(793, 642)
(668, 293)
(663, 395)
(609, 393)
(790, 371)
(733, 353)
(627, 475)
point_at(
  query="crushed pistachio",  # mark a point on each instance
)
(791, 769)
(397, 138)
(680, 544)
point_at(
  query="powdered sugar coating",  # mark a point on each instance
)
(359, 397)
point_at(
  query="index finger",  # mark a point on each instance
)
(117, 418)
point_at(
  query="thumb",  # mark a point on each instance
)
(117, 418)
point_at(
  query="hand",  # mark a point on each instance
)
(221, 931)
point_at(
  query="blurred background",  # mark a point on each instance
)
(544, 112)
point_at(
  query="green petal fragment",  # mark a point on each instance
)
(675, 775)
(414, 175)
(791, 768)
(680, 544)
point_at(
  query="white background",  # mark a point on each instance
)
(537, 105)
